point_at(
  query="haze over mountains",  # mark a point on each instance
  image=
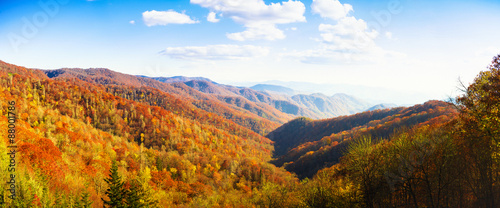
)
(271, 102)
(287, 100)
(190, 141)
(264, 100)
(274, 89)
(178, 79)
(371, 94)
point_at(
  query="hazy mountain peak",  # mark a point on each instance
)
(274, 89)
(318, 95)
(178, 79)
(340, 95)
(382, 106)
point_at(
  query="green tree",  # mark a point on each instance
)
(363, 162)
(116, 192)
(134, 196)
(139, 196)
(84, 201)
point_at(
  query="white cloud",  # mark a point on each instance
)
(216, 52)
(349, 34)
(388, 35)
(259, 19)
(212, 17)
(132, 22)
(331, 54)
(258, 32)
(152, 18)
(348, 40)
(332, 9)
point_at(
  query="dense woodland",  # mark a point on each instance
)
(177, 94)
(314, 144)
(85, 141)
(69, 132)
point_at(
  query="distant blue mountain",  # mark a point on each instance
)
(273, 88)
(382, 106)
(179, 79)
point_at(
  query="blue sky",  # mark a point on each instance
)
(419, 47)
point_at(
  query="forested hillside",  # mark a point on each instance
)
(96, 138)
(264, 102)
(260, 103)
(315, 144)
(178, 91)
(68, 133)
(448, 161)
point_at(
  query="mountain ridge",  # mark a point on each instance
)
(178, 89)
(178, 79)
(274, 89)
(70, 131)
(303, 140)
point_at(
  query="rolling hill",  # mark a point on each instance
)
(331, 106)
(305, 146)
(179, 79)
(180, 91)
(265, 98)
(69, 131)
(73, 136)
(274, 89)
(260, 103)
(382, 106)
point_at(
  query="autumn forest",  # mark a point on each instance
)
(99, 138)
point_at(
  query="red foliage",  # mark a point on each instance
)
(162, 180)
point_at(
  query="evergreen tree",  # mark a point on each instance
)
(116, 192)
(84, 201)
(138, 196)
(134, 196)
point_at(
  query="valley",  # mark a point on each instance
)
(180, 141)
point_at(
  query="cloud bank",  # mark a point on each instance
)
(259, 19)
(216, 52)
(153, 18)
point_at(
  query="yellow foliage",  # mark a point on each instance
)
(173, 170)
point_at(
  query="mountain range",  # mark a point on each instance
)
(371, 94)
(90, 137)
(265, 102)
(274, 89)
(284, 99)
(191, 142)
